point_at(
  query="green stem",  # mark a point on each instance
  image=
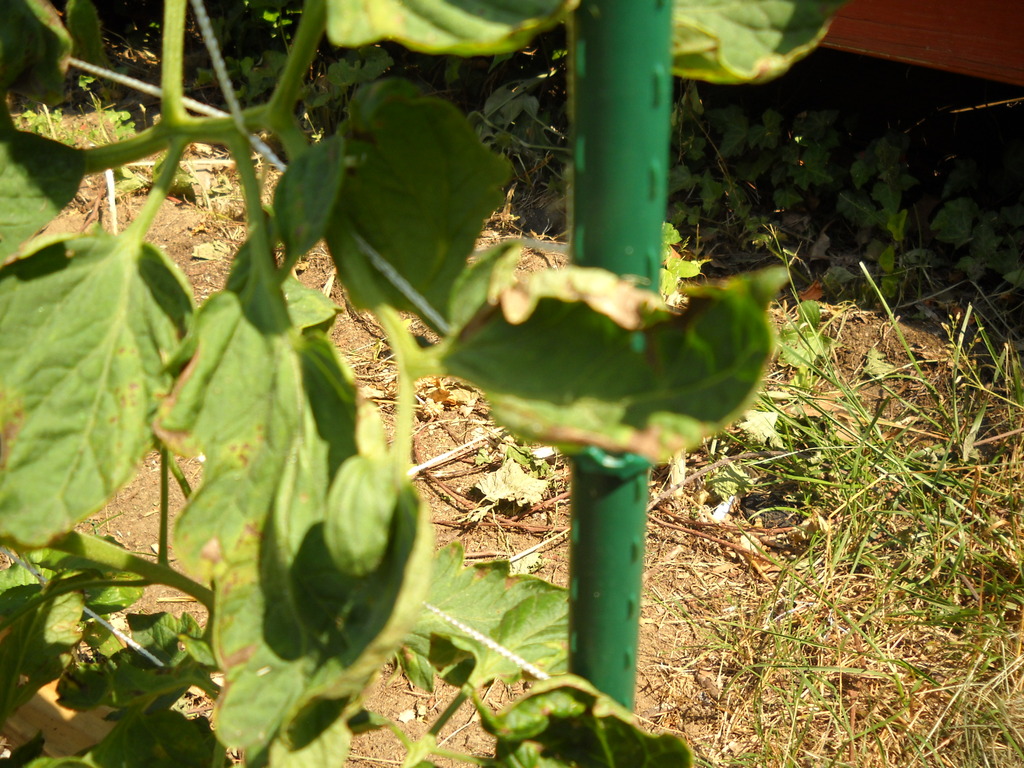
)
(292, 137)
(179, 477)
(162, 555)
(459, 757)
(148, 142)
(449, 711)
(405, 403)
(304, 47)
(258, 236)
(136, 231)
(261, 253)
(104, 553)
(172, 63)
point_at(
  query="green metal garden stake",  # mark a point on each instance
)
(621, 100)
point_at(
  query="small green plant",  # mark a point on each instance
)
(737, 172)
(305, 541)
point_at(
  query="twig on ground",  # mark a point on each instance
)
(537, 547)
(528, 527)
(716, 540)
(451, 455)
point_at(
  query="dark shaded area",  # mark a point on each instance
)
(943, 114)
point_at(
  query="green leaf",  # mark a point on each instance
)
(129, 679)
(275, 412)
(36, 648)
(460, 27)
(741, 41)
(417, 197)
(84, 26)
(161, 634)
(567, 722)
(304, 747)
(160, 739)
(954, 223)
(609, 365)
(34, 50)
(360, 506)
(803, 343)
(38, 177)
(307, 307)
(306, 195)
(235, 403)
(79, 381)
(298, 638)
(526, 615)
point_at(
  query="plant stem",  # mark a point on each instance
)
(103, 552)
(304, 46)
(136, 231)
(179, 477)
(255, 218)
(148, 142)
(162, 556)
(449, 711)
(405, 403)
(171, 67)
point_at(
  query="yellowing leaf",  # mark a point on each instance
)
(512, 483)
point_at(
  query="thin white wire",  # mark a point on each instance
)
(493, 645)
(143, 87)
(88, 611)
(384, 266)
(226, 88)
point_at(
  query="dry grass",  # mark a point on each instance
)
(892, 635)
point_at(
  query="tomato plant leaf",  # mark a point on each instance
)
(79, 382)
(360, 506)
(609, 366)
(307, 307)
(524, 614)
(37, 646)
(420, 190)
(726, 41)
(34, 50)
(127, 679)
(306, 194)
(244, 424)
(157, 739)
(38, 177)
(567, 722)
(297, 634)
(460, 27)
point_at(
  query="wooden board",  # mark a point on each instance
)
(983, 38)
(66, 732)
